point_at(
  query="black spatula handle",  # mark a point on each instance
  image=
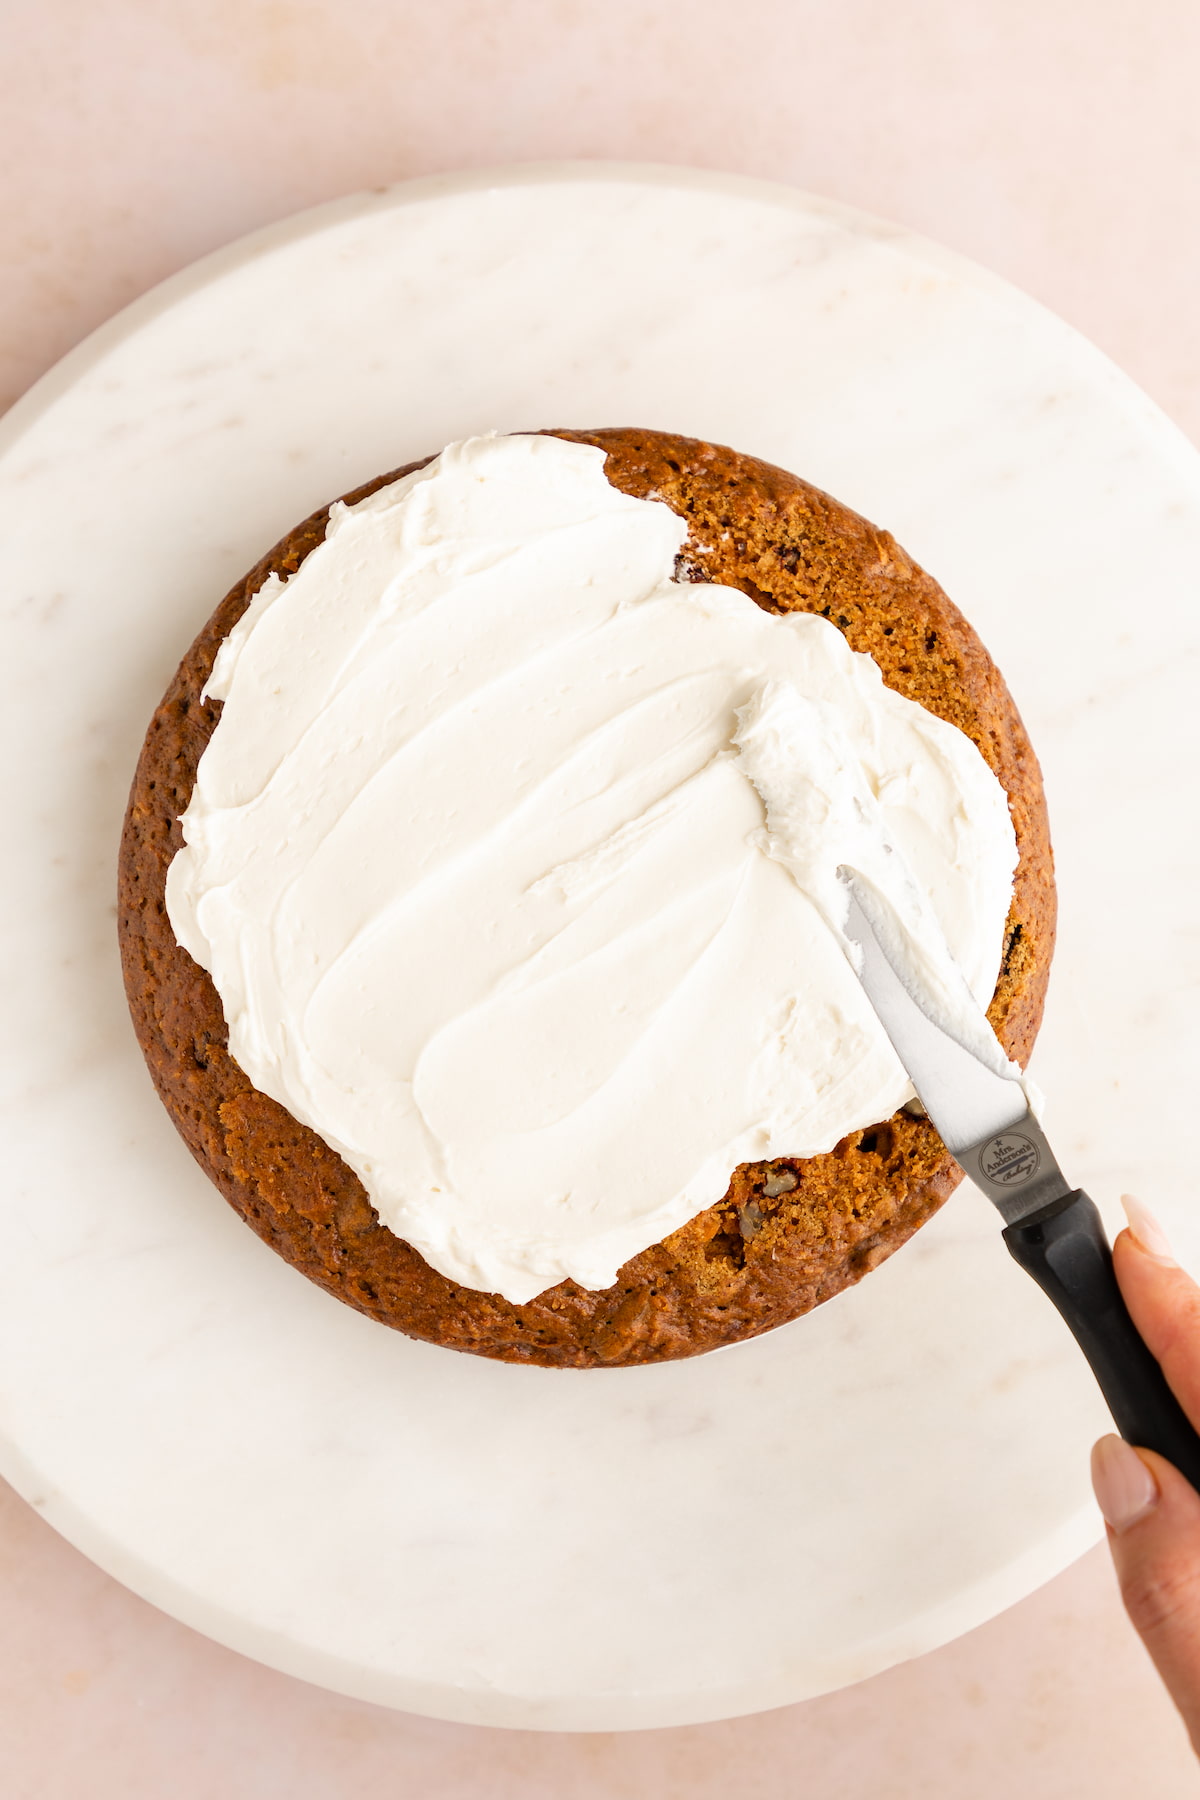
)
(1065, 1250)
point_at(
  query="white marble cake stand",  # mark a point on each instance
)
(519, 1546)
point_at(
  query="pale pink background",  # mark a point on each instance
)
(1057, 141)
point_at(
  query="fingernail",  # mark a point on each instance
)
(1125, 1489)
(1147, 1230)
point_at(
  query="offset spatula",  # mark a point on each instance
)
(1052, 1230)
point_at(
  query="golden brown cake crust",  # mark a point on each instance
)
(788, 1233)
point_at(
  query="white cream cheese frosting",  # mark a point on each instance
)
(498, 859)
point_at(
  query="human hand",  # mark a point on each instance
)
(1152, 1512)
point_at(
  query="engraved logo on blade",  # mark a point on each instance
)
(1009, 1160)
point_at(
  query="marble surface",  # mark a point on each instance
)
(1079, 207)
(409, 1525)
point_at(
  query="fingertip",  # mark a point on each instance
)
(1123, 1482)
(1147, 1233)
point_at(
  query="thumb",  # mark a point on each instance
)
(1153, 1519)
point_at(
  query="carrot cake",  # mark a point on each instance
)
(456, 929)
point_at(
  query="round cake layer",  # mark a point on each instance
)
(788, 1233)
